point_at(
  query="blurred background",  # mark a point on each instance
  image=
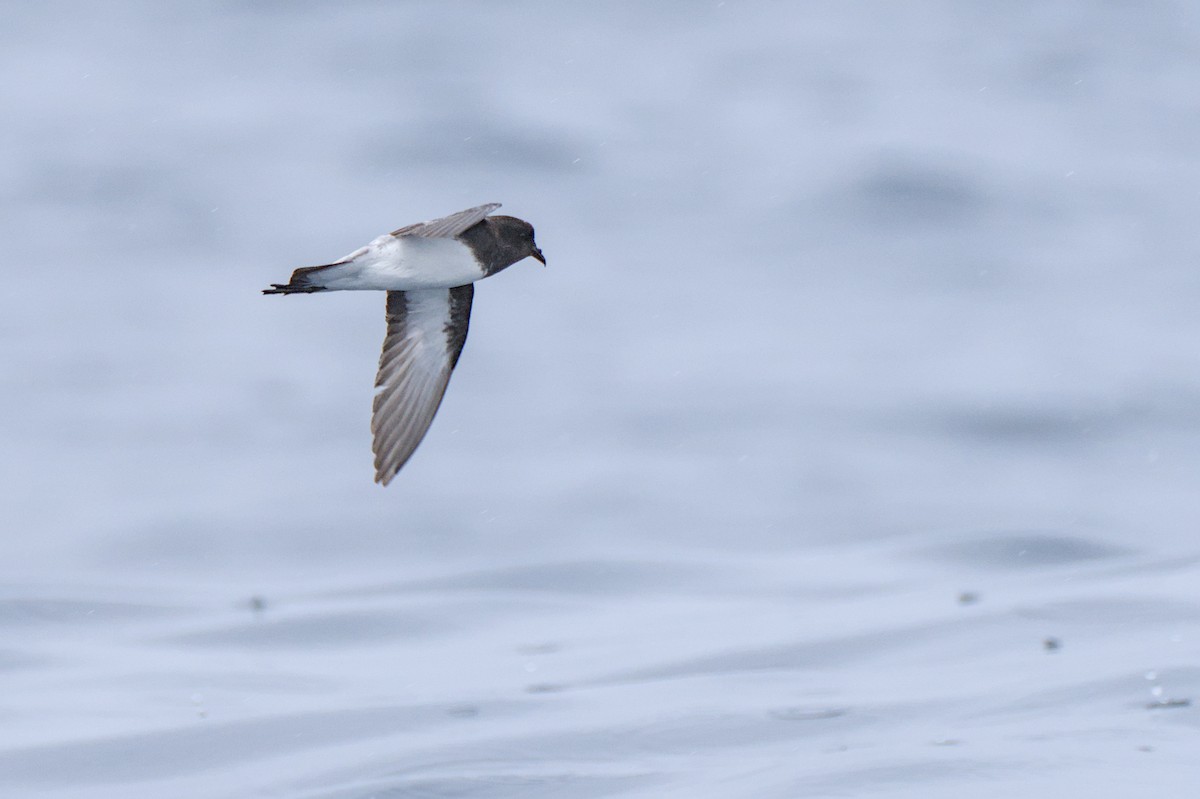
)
(848, 444)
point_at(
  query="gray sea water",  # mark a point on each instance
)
(849, 445)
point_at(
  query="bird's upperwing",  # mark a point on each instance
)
(426, 330)
(448, 226)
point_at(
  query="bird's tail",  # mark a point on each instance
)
(303, 281)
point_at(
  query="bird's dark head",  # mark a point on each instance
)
(516, 235)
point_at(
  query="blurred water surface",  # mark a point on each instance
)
(848, 446)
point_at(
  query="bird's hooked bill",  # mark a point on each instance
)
(538, 254)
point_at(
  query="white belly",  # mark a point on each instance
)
(402, 264)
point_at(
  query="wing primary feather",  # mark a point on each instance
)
(426, 332)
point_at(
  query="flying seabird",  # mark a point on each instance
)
(428, 271)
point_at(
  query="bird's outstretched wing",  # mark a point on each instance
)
(448, 226)
(426, 330)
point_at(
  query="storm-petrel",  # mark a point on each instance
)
(428, 271)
